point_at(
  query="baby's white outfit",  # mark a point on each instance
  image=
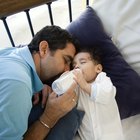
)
(101, 120)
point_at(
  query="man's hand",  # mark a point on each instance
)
(58, 106)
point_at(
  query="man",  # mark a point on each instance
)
(23, 72)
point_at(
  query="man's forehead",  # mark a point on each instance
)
(70, 50)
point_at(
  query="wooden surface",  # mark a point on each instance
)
(9, 7)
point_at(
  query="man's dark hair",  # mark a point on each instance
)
(56, 37)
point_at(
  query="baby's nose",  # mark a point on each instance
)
(76, 66)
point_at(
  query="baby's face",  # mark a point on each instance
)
(87, 65)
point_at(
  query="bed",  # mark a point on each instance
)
(110, 23)
(121, 22)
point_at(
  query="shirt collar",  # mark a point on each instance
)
(26, 55)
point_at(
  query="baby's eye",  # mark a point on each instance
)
(83, 62)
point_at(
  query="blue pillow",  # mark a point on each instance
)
(89, 31)
(67, 127)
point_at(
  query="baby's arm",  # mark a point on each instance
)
(102, 89)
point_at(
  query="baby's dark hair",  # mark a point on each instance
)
(94, 51)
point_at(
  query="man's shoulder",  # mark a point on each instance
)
(14, 69)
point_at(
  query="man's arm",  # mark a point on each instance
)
(36, 132)
(56, 108)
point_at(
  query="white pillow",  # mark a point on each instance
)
(121, 19)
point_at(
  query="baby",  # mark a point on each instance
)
(96, 97)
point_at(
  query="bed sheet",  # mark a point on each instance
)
(131, 128)
(121, 21)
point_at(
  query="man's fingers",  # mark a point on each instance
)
(45, 93)
(35, 98)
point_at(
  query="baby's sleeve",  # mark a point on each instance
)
(102, 89)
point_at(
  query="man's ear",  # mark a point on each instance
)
(43, 48)
(99, 68)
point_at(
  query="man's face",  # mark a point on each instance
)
(58, 62)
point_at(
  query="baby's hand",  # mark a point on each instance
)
(79, 78)
(45, 92)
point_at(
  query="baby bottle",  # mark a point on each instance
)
(63, 83)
